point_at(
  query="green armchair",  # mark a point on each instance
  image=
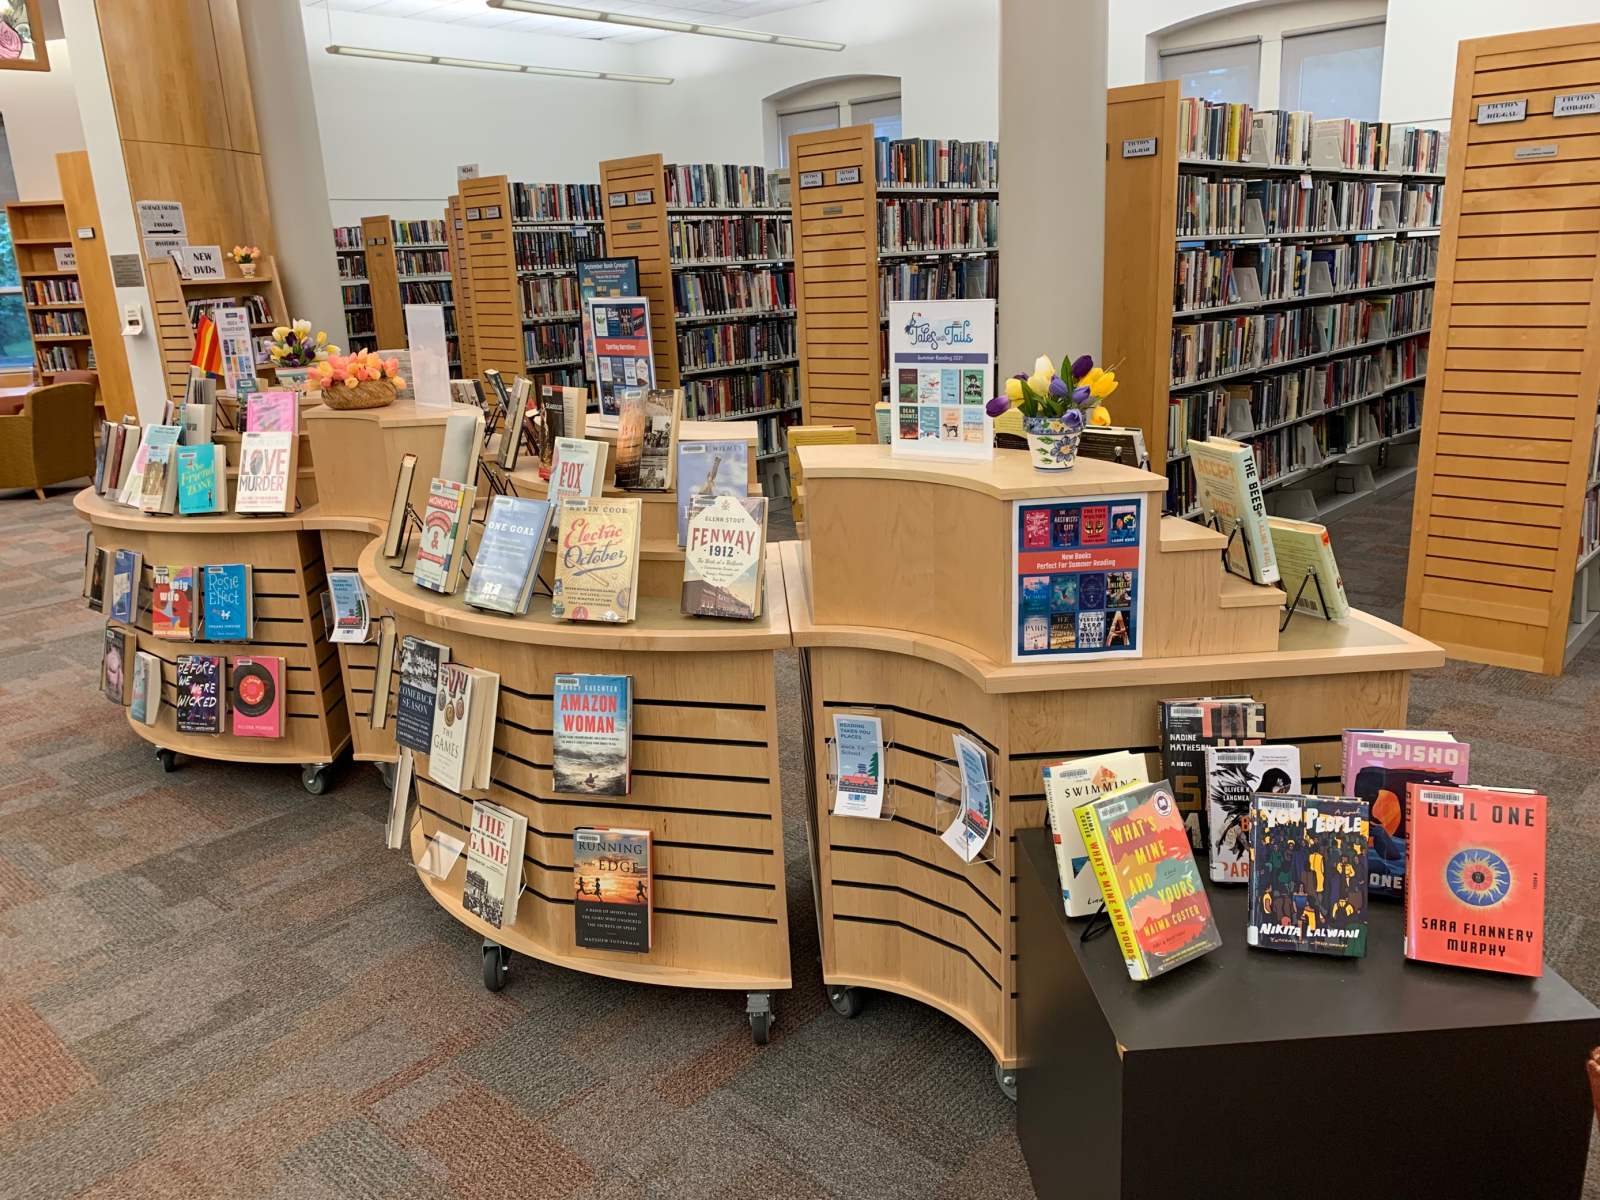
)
(51, 440)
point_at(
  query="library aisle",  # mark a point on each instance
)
(221, 983)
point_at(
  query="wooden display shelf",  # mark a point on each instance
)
(705, 778)
(170, 295)
(927, 642)
(288, 577)
(1500, 489)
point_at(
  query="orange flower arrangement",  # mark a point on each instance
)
(354, 368)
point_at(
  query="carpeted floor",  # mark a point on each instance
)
(215, 985)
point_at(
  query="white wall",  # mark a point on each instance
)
(41, 116)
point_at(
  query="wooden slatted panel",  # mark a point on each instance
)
(1508, 423)
(383, 282)
(455, 225)
(490, 261)
(836, 277)
(637, 228)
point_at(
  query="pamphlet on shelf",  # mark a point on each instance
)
(602, 278)
(969, 832)
(858, 748)
(350, 615)
(941, 377)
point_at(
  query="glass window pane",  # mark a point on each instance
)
(883, 115)
(1338, 73)
(806, 121)
(1220, 74)
(16, 347)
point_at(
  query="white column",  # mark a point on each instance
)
(291, 160)
(119, 225)
(1052, 178)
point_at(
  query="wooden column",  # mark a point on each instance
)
(94, 277)
(383, 282)
(634, 193)
(455, 229)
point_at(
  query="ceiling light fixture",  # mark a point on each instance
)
(611, 18)
(478, 64)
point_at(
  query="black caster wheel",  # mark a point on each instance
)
(847, 1001)
(1007, 1079)
(761, 1013)
(314, 778)
(386, 771)
(168, 759)
(496, 965)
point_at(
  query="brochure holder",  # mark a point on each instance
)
(886, 716)
(438, 857)
(947, 805)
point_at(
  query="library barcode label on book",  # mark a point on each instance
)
(1367, 747)
(1429, 796)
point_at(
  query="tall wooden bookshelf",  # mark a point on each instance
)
(491, 269)
(383, 282)
(635, 197)
(456, 235)
(1504, 567)
(555, 227)
(408, 262)
(350, 249)
(52, 295)
(1352, 451)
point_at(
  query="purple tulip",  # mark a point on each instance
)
(1058, 387)
(1022, 376)
(1072, 419)
(1082, 366)
(998, 406)
(1079, 395)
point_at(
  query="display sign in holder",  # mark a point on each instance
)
(901, 598)
(289, 572)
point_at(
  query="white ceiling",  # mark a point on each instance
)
(477, 13)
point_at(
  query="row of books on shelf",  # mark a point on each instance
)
(201, 689)
(348, 237)
(552, 343)
(62, 358)
(353, 266)
(736, 342)
(356, 293)
(732, 290)
(68, 321)
(709, 185)
(549, 295)
(63, 290)
(947, 279)
(772, 432)
(213, 603)
(1218, 276)
(1468, 862)
(358, 322)
(256, 305)
(1292, 138)
(703, 239)
(433, 291)
(1589, 530)
(750, 391)
(1203, 350)
(419, 233)
(556, 202)
(421, 262)
(905, 224)
(1241, 409)
(931, 163)
(556, 249)
(1236, 207)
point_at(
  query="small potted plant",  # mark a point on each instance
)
(294, 352)
(357, 380)
(246, 257)
(1055, 409)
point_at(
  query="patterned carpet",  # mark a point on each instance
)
(215, 985)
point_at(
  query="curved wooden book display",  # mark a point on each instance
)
(705, 777)
(899, 602)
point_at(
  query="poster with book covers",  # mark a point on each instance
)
(941, 375)
(621, 349)
(606, 278)
(1078, 584)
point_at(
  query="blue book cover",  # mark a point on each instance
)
(514, 534)
(710, 469)
(419, 689)
(949, 385)
(591, 747)
(125, 586)
(199, 485)
(225, 592)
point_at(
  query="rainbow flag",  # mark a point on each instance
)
(207, 355)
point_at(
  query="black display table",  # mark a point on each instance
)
(1252, 1073)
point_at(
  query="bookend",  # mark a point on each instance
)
(1215, 522)
(886, 716)
(1294, 605)
(1099, 922)
(500, 481)
(947, 806)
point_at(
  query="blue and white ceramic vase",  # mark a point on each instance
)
(1051, 444)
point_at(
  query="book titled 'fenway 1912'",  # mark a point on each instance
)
(611, 889)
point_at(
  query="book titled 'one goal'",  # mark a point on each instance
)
(611, 889)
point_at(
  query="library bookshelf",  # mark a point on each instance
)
(408, 262)
(176, 302)
(1349, 434)
(456, 235)
(924, 641)
(1503, 567)
(288, 578)
(52, 295)
(875, 223)
(350, 249)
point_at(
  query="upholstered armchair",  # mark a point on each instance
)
(51, 440)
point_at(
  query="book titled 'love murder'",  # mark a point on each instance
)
(611, 889)
(1475, 885)
(591, 741)
(1152, 888)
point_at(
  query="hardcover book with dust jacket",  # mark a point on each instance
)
(420, 660)
(199, 693)
(707, 469)
(592, 746)
(507, 563)
(127, 566)
(266, 473)
(258, 696)
(1378, 764)
(1066, 786)
(597, 560)
(146, 705)
(172, 602)
(1227, 484)
(229, 607)
(494, 864)
(611, 889)
(1234, 774)
(724, 557)
(1308, 886)
(445, 523)
(114, 666)
(1187, 728)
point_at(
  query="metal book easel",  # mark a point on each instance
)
(1213, 521)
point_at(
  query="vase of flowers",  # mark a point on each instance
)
(246, 257)
(358, 380)
(294, 351)
(1055, 409)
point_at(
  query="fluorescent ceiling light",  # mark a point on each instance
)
(479, 64)
(611, 18)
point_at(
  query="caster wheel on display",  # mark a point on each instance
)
(762, 1011)
(314, 779)
(168, 759)
(760, 1027)
(496, 965)
(847, 1001)
(1007, 1079)
(386, 772)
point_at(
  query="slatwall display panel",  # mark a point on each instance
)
(455, 225)
(491, 271)
(836, 276)
(1509, 420)
(634, 194)
(358, 662)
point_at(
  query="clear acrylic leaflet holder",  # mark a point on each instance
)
(884, 715)
(947, 805)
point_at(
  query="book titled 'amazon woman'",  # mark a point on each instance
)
(592, 742)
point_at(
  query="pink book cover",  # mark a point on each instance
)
(258, 697)
(1378, 764)
(268, 412)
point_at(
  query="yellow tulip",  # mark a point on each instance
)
(1089, 379)
(1042, 366)
(1013, 390)
(350, 381)
(1099, 416)
(322, 338)
(281, 332)
(277, 351)
(1103, 386)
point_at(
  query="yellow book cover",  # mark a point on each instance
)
(597, 560)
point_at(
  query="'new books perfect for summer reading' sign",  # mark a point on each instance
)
(1078, 588)
(941, 375)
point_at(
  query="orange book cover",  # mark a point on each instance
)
(1475, 885)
